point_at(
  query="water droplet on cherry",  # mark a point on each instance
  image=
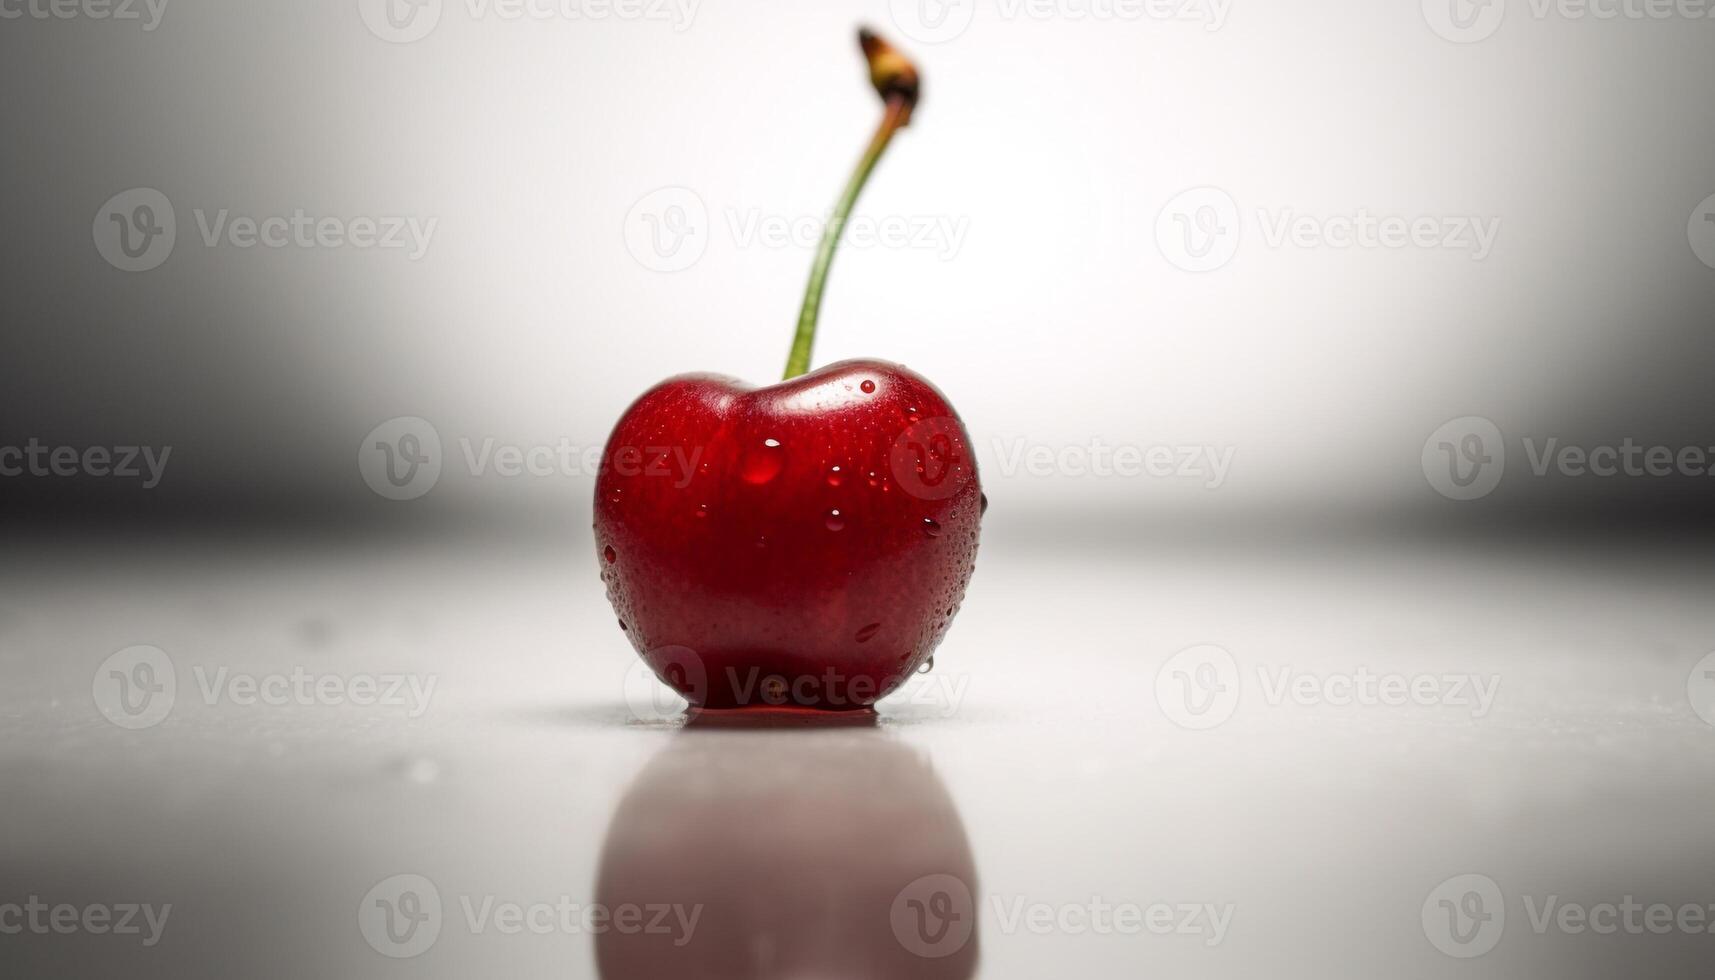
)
(702, 510)
(928, 665)
(611, 555)
(982, 503)
(624, 627)
(868, 632)
(931, 528)
(835, 522)
(764, 464)
(868, 387)
(834, 477)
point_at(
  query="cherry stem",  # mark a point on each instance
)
(896, 80)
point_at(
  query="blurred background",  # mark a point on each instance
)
(1327, 338)
(1027, 275)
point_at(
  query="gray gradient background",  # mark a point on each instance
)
(1058, 321)
(1060, 764)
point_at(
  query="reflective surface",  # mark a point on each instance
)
(1409, 751)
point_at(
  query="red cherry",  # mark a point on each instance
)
(743, 565)
(849, 592)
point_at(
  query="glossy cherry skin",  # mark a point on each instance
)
(799, 546)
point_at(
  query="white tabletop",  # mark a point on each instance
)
(1051, 763)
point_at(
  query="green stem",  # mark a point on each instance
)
(798, 362)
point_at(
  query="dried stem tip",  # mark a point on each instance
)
(893, 75)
